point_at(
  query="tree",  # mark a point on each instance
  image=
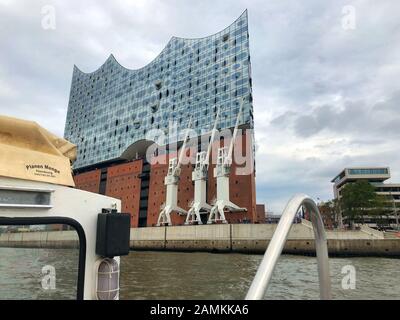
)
(331, 213)
(338, 213)
(382, 209)
(358, 200)
(328, 214)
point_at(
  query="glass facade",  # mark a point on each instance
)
(339, 177)
(378, 171)
(113, 107)
(387, 188)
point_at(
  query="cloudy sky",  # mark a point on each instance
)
(326, 74)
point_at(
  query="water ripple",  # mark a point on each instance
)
(177, 275)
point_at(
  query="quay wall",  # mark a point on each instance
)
(42, 239)
(243, 238)
(254, 238)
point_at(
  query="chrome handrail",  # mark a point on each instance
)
(275, 247)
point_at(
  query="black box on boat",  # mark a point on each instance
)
(113, 234)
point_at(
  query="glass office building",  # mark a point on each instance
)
(113, 107)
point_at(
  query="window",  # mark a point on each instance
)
(158, 84)
(378, 171)
(46, 272)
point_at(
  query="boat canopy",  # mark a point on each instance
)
(30, 152)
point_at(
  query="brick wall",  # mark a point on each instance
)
(123, 182)
(88, 181)
(260, 208)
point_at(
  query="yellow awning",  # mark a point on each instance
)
(30, 152)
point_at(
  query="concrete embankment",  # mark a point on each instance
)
(254, 238)
(42, 239)
(244, 238)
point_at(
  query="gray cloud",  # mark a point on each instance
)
(355, 118)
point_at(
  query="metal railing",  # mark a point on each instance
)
(275, 247)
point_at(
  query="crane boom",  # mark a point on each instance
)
(212, 137)
(230, 150)
(184, 145)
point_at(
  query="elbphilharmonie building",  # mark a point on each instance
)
(112, 109)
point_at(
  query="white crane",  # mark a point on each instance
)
(199, 176)
(221, 173)
(171, 181)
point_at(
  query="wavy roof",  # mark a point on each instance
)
(112, 59)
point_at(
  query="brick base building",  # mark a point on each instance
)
(140, 186)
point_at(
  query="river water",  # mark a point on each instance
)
(174, 275)
(178, 275)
